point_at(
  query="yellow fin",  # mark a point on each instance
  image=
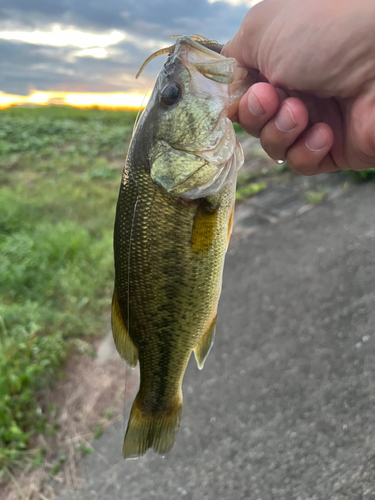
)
(146, 430)
(230, 225)
(204, 226)
(124, 344)
(202, 349)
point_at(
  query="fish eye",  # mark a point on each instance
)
(170, 94)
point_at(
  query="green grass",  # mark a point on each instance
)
(60, 170)
(238, 129)
(244, 191)
(314, 197)
(361, 175)
(249, 184)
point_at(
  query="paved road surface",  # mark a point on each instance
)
(285, 406)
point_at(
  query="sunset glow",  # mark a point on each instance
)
(76, 99)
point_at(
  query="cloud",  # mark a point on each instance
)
(97, 52)
(24, 67)
(59, 37)
(98, 46)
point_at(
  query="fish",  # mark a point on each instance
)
(173, 222)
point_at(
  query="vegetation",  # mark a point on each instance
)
(361, 175)
(314, 197)
(248, 189)
(59, 176)
(249, 183)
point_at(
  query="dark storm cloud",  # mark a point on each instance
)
(24, 66)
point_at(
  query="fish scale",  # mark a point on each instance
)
(170, 248)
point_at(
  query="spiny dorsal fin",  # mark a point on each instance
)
(202, 349)
(124, 344)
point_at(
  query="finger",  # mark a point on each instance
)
(284, 129)
(309, 155)
(257, 107)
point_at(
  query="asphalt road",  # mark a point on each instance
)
(285, 406)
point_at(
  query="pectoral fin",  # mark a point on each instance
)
(204, 226)
(203, 347)
(124, 344)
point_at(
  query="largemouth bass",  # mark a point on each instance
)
(173, 223)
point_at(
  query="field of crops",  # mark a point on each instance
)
(60, 170)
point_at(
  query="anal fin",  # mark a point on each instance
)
(123, 342)
(202, 349)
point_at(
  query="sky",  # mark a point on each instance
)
(65, 49)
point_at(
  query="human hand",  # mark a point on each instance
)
(314, 103)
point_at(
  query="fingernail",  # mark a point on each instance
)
(316, 139)
(254, 105)
(284, 120)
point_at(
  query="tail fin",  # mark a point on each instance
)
(146, 430)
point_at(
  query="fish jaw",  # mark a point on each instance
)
(208, 69)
